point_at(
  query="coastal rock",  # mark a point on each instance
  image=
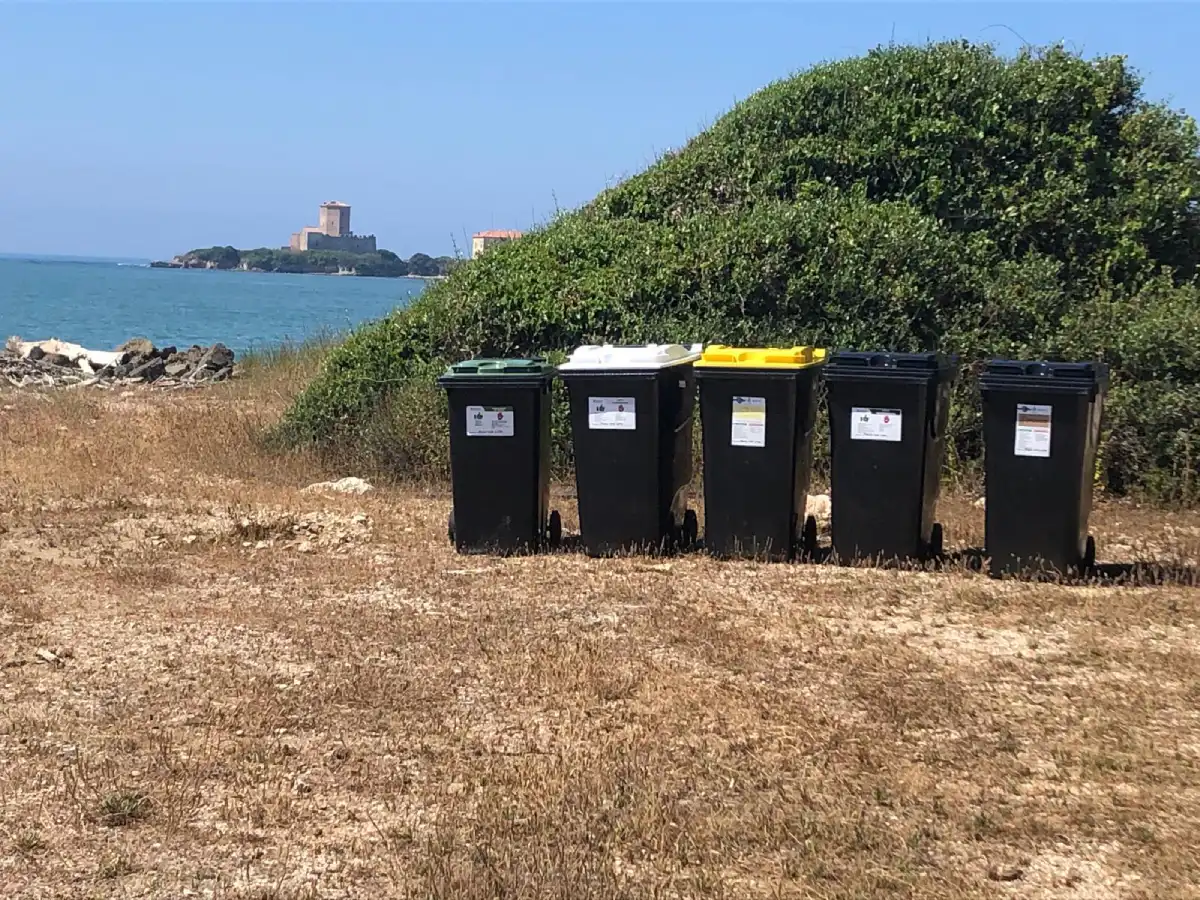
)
(151, 370)
(137, 347)
(54, 363)
(218, 357)
(191, 356)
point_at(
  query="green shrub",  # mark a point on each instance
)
(935, 197)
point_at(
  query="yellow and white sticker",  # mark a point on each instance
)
(749, 422)
(1033, 430)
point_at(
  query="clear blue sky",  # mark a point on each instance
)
(147, 129)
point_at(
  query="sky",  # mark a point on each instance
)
(146, 129)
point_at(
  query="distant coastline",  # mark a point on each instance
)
(381, 264)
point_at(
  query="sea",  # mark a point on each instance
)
(101, 303)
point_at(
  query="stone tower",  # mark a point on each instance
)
(335, 219)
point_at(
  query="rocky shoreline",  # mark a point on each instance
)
(58, 364)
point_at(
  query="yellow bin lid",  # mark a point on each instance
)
(720, 356)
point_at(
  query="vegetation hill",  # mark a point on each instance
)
(384, 263)
(940, 196)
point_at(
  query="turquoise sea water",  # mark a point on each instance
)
(101, 303)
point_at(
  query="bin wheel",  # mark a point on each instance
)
(936, 541)
(808, 540)
(554, 530)
(450, 527)
(691, 528)
(1089, 556)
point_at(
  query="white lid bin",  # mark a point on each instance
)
(648, 357)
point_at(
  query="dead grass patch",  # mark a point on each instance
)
(256, 692)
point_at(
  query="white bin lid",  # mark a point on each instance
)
(598, 357)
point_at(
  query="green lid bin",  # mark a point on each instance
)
(500, 455)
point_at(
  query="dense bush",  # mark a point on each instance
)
(915, 198)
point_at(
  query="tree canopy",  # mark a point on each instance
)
(382, 264)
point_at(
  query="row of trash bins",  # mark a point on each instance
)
(631, 413)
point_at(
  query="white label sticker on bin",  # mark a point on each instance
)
(612, 413)
(874, 424)
(1033, 430)
(749, 422)
(489, 421)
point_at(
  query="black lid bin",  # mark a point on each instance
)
(1041, 427)
(500, 455)
(887, 426)
(631, 423)
(757, 409)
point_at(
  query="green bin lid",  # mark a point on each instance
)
(535, 367)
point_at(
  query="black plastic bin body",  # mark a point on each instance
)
(499, 414)
(887, 425)
(1041, 427)
(757, 410)
(631, 425)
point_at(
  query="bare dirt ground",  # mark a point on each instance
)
(215, 685)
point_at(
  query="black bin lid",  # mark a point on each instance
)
(886, 364)
(1073, 377)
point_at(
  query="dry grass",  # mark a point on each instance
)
(214, 685)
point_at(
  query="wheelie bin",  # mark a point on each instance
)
(887, 431)
(631, 424)
(500, 455)
(757, 409)
(1041, 427)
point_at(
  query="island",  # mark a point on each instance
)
(379, 264)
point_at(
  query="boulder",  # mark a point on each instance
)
(137, 347)
(350, 485)
(151, 370)
(218, 356)
(57, 359)
(165, 353)
(178, 368)
(36, 353)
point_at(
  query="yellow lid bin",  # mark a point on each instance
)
(720, 356)
(758, 406)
